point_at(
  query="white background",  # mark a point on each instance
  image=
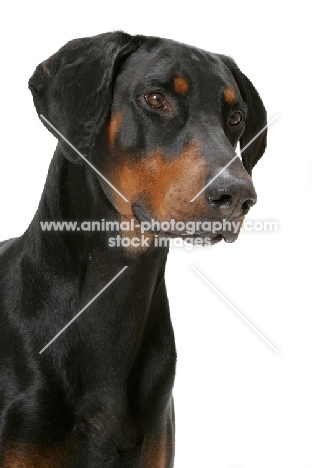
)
(238, 403)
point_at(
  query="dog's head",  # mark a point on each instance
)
(160, 120)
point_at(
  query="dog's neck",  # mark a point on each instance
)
(73, 267)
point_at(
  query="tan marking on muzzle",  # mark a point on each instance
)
(165, 184)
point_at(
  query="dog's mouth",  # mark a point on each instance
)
(210, 237)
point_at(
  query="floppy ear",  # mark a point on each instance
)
(256, 118)
(73, 88)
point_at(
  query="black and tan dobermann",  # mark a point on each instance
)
(158, 119)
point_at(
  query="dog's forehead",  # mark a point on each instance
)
(165, 60)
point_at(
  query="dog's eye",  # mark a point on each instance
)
(235, 117)
(157, 100)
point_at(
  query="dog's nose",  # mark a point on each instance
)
(231, 196)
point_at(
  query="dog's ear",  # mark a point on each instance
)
(73, 88)
(256, 118)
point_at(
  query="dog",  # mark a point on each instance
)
(160, 121)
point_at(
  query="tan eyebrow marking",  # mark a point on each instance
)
(181, 85)
(229, 95)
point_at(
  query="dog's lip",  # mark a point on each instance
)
(228, 236)
(139, 212)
